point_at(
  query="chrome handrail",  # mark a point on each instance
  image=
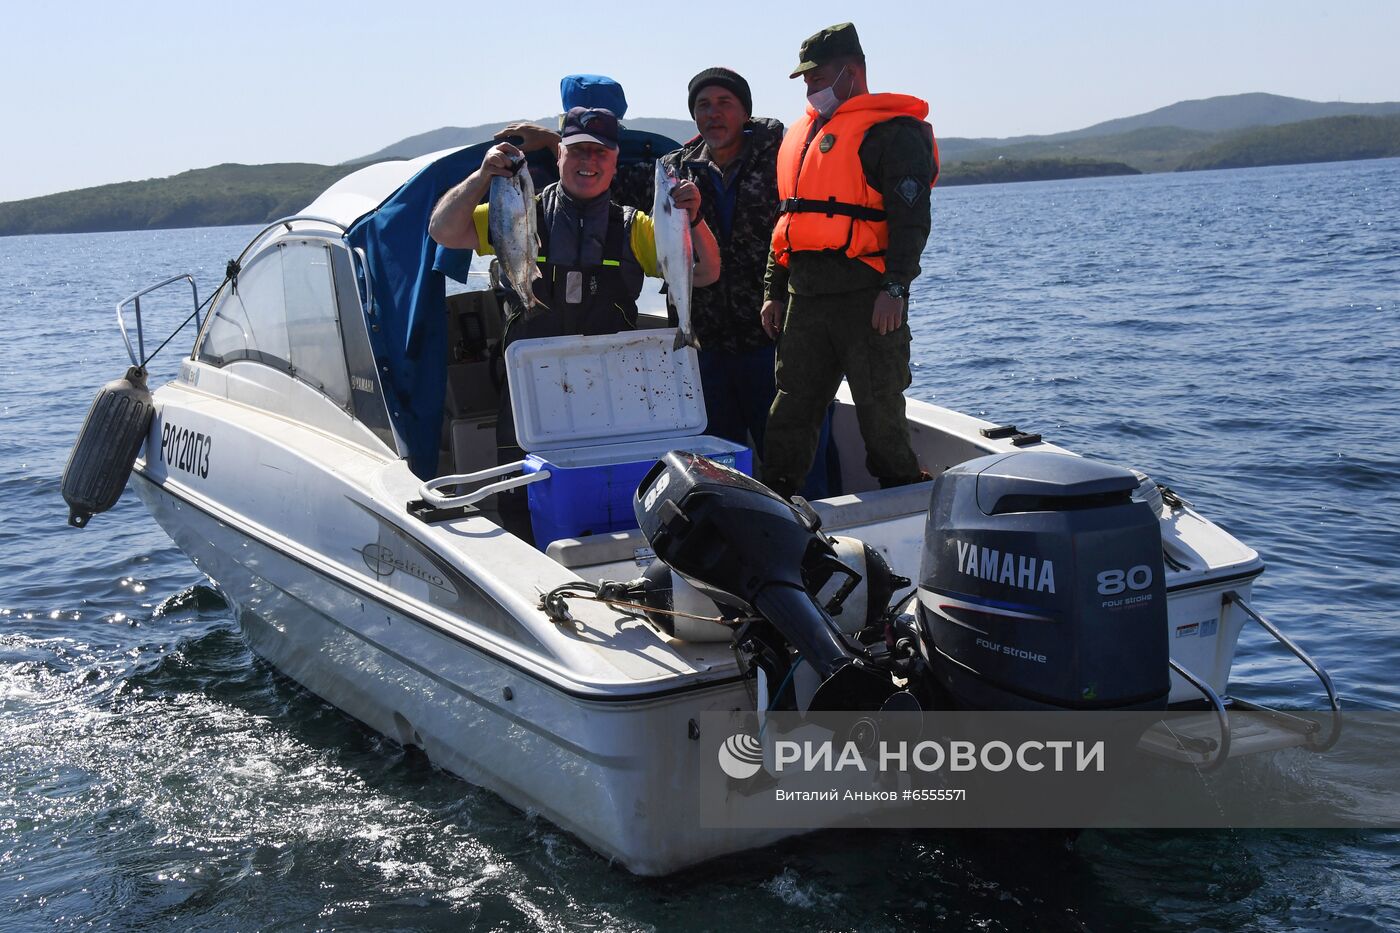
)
(1214, 700)
(1332, 698)
(140, 334)
(428, 492)
(138, 354)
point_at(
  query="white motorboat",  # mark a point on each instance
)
(281, 460)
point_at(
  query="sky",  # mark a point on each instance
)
(98, 93)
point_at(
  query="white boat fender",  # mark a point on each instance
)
(107, 446)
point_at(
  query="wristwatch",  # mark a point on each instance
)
(895, 290)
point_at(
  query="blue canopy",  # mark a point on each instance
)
(408, 317)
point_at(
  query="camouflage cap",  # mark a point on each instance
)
(831, 43)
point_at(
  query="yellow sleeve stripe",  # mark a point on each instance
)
(479, 219)
(644, 244)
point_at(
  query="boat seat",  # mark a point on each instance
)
(612, 548)
(873, 506)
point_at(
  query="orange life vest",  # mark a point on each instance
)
(824, 199)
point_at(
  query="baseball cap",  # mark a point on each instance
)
(589, 125)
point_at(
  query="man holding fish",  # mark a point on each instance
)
(577, 260)
(574, 259)
(734, 161)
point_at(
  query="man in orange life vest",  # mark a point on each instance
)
(854, 174)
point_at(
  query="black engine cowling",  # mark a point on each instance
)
(1042, 586)
(743, 545)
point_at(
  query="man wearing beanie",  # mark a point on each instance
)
(733, 161)
(854, 174)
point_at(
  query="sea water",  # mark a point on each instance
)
(1234, 334)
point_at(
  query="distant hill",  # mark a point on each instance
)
(207, 197)
(445, 137)
(1005, 170)
(1234, 112)
(1149, 149)
(1161, 139)
(1331, 139)
(450, 137)
(1220, 132)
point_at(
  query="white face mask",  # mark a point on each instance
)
(825, 101)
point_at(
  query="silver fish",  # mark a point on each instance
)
(514, 236)
(674, 253)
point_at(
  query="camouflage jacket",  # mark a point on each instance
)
(725, 314)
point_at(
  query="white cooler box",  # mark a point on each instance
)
(597, 412)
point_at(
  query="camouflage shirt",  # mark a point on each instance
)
(725, 314)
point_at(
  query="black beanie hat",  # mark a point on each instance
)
(729, 80)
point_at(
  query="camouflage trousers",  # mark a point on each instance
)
(825, 337)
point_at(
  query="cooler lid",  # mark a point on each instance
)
(604, 389)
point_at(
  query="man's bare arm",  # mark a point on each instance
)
(451, 224)
(532, 137)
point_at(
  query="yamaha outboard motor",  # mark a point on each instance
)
(745, 546)
(1042, 586)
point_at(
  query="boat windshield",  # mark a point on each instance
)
(282, 312)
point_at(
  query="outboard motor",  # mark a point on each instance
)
(744, 546)
(857, 598)
(1042, 586)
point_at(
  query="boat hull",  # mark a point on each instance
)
(429, 633)
(608, 772)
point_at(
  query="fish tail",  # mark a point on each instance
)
(684, 338)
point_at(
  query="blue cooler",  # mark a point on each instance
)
(597, 412)
(590, 489)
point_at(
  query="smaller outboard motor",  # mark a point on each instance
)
(107, 445)
(1042, 586)
(744, 546)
